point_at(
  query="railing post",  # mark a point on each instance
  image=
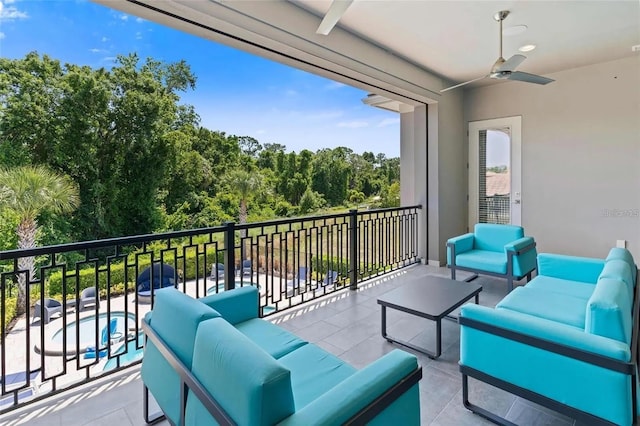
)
(229, 256)
(353, 255)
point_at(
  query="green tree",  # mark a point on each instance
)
(244, 184)
(29, 191)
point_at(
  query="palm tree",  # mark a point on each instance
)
(244, 184)
(29, 191)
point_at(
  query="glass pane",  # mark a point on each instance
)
(494, 176)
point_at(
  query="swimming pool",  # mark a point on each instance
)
(220, 287)
(87, 330)
(132, 353)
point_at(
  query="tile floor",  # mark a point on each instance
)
(346, 324)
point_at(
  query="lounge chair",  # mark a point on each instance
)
(25, 385)
(88, 297)
(51, 306)
(109, 332)
(297, 285)
(329, 280)
(163, 276)
(217, 271)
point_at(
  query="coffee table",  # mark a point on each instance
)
(433, 298)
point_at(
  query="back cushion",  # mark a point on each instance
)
(494, 237)
(251, 386)
(175, 317)
(619, 270)
(609, 311)
(624, 254)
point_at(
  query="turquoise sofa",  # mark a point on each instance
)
(493, 249)
(566, 340)
(213, 361)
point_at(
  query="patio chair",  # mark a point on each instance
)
(298, 282)
(217, 271)
(88, 297)
(109, 332)
(246, 267)
(51, 306)
(163, 276)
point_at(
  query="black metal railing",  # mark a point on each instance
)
(84, 301)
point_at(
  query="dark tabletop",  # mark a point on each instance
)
(431, 297)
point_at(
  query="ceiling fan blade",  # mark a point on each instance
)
(462, 84)
(529, 78)
(333, 15)
(511, 63)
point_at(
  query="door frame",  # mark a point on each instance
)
(514, 124)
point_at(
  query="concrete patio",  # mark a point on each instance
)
(346, 324)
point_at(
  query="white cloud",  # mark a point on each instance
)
(104, 39)
(139, 35)
(124, 17)
(388, 122)
(260, 132)
(334, 85)
(96, 50)
(109, 59)
(140, 20)
(323, 115)
(9, 1)
(355, 124)
(9, 13)
(2, 35)
(290, 92)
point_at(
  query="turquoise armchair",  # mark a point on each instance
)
(497, 250)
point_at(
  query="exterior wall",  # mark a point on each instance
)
(447, 161)
(580, 154)
(413, 170)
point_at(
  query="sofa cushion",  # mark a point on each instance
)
(157, 374)
(313, 372)
(251, 386)
(557, 307)
(237, 305)
(494, 237)
(609, 311)
(557, 285)
(483, 260)
(624, 254)
(585, 269)
(619, 270)
(274, 340)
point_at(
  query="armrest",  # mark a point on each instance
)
(584, 269)
(520, 246)
(460, 244)
(543, 329)
(358, 391)
(235, 306)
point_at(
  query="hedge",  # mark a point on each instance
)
(87, 277)
(9, 311)
(323, 264)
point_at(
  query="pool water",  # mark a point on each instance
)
(132, 353)
(220, 286)
(87, 328)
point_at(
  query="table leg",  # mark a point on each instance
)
(438, 339)
(477, 298)
(384, 322)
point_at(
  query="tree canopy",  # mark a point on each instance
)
(142, 161)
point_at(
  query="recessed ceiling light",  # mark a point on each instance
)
(516, 29)
(527, 48)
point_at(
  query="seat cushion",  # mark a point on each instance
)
(558, 285)
(274, 340)
(557, 307)
(483, 260)
(624, 254)
(314, 371)
(251, 386)
(494, 237)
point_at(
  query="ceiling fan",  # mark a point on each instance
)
(333, 15)
(505, 70)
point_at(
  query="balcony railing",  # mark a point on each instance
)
(67, 337)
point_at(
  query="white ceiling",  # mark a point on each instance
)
(459, 39)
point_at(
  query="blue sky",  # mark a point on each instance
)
(236, 92)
